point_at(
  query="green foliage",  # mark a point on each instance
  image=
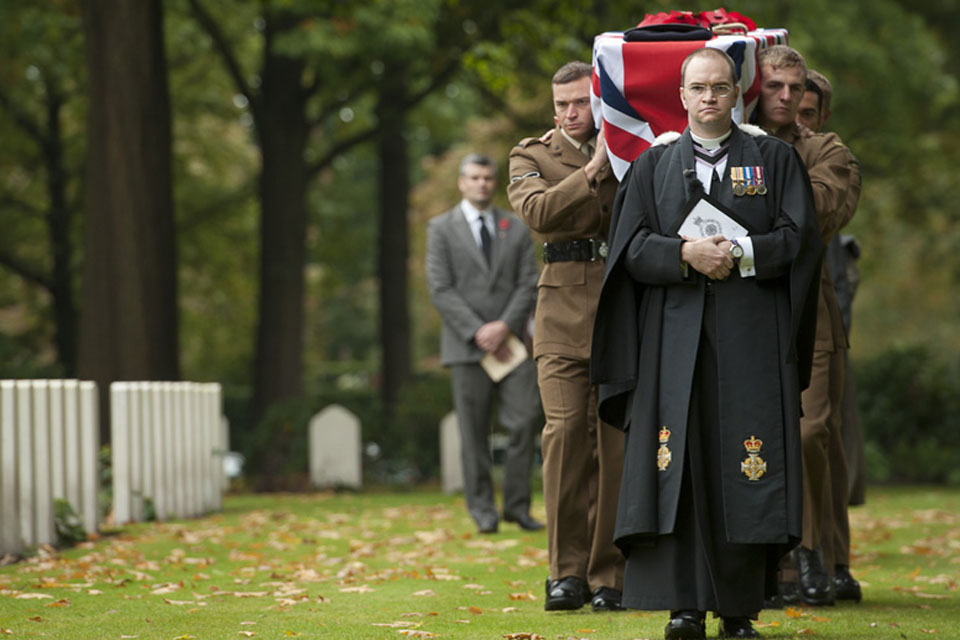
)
(910, 410)
(67, 523)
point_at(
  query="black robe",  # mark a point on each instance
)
(647, 338)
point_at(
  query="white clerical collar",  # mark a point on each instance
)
(711, 143)
(586, 148)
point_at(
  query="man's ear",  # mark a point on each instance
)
(556, 121)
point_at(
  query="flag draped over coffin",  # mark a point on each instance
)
(636, 86)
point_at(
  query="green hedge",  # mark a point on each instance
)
(909, 399)
(403, 449)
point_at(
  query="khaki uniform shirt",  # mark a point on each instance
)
(835, 178)
(550, 192)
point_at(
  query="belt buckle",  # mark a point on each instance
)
(598, 250)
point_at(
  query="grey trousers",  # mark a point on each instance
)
(518, 408)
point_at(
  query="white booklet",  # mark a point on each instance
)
(705, 220)
(498, 370)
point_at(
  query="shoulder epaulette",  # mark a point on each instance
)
(752, 130)
(526, 142)
(665, 138)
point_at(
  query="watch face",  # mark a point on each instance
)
(736, 251)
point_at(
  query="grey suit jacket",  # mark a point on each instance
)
(467, 292)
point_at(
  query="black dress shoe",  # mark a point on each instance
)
(845, 586)
(606, 599)
(524, 521)
(815, 587)
(685, 625)
(489, 525)
(737, 627)
(566, 594)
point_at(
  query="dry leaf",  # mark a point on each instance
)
(475, 587)
(94, 592)
(361, 589)
(928, 630)
(33, 596)
(794, 613)
(35, 619)
(509, 609)
(292, 634)
(185, 636)
(462, 621)
(413, 633)
(820, 619)
(247, 634)
(523, 636)
(586, 630)
(394, 625)
(6, 632)
(426, 593)
(475, 610)
(59, 603)
(246, 623)
(523, 596)
(806, 632)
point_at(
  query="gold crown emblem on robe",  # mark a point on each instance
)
(753, 444)
(665, 435)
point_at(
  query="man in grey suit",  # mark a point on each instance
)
(482, 277)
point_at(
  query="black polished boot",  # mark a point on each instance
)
(566, 594)
(845, 586)
(686, 624)
(815, 587)
(737, 627)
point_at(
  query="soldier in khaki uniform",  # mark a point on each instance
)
(835, 178)
(562, 186)
(813, 113)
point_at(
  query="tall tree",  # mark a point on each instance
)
(40, 83)
(128, 318)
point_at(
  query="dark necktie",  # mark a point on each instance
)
(715, 185)
(485, 240)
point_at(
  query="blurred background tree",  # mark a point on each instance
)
(311, 142)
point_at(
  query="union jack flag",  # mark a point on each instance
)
(636, 86)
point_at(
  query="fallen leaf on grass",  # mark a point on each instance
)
(63, 602)
(928, 630)
(425, 593)
(394, 625)
(181, 603)
(35, 619)
(806, 632)
(820, 619)
(33, 596)
(167, 588)
(361, 589)
(586, 630)
(185, 636)
(462, 621)
(772, 623)
(794, 613)
(292, 634)
(247, 634)
(475, 610)
(247, 622)
(94, 592)
(475, 587)
(523, 596)
(6, 632)
(523, 636)
(509, 609)
(417, 634)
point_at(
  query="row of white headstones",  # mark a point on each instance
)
(167, 456)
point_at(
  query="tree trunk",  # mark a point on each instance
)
(61, 247)
(283, 134)
(128, 317)
(393, 242)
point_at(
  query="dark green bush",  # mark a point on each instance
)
(401, 449)
(909, 400)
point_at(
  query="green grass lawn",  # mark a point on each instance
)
(395, 565)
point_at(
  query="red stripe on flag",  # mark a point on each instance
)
(652, 82)
(622, 143)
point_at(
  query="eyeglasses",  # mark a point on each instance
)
(718, 90)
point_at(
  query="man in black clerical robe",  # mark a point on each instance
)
(701, 348)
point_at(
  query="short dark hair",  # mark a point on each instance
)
(572, 71)
(712, 53)
(478, 158)
(813, 87)
(826, 89)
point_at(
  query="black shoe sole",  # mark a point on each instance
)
(562, 604)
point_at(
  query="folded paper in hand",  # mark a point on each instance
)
(498, 370)
(705, 220)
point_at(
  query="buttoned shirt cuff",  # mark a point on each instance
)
(747, 266)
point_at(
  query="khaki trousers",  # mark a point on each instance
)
(582, 465)
(825, 483)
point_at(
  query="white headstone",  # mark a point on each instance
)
(89, 444)
(25, 485)
(451, 462)
(9, 504)
(335, 457)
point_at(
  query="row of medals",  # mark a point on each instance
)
(746, 186)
